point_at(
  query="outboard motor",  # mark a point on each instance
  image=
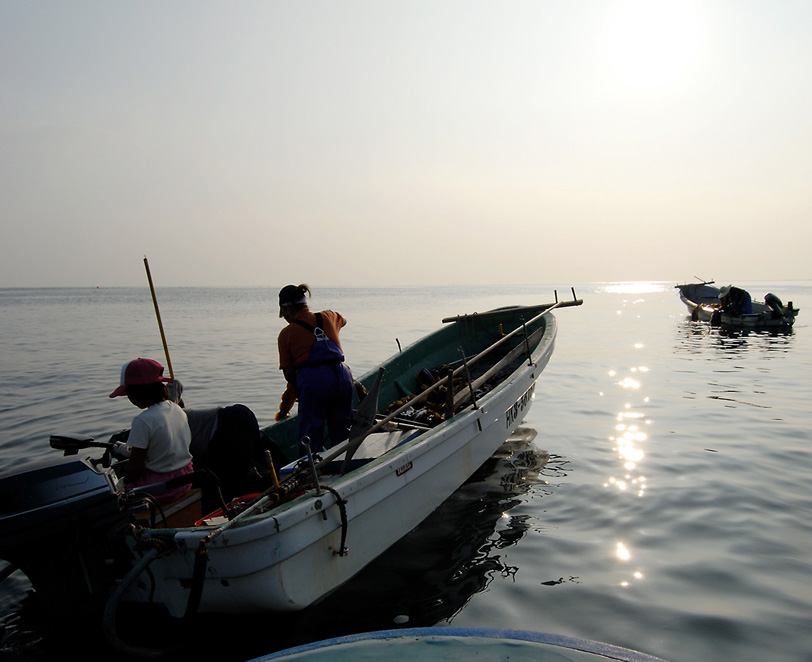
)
(775, 305)
(55, 525)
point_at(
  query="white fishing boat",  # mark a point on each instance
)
(448, 402)
(704, 302)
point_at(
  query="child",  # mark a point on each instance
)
(159, 436)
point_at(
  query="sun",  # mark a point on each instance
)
(652, 42)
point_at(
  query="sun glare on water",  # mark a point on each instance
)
(635, 287)
(652, 42)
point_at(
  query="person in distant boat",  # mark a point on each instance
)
(312, 361)
(735, 301)
(159, 438)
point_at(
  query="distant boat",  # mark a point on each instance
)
(705, 305)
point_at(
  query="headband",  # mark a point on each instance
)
(293, 303)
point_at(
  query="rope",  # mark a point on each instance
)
(342, 509)
(110, 609)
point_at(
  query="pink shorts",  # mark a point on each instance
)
(147, 477)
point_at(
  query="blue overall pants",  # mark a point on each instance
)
(324, 390)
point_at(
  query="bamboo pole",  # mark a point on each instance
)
(158, 316)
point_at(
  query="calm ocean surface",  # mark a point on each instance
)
(657, 498)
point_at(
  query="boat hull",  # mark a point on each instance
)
(289, 558)
(757, 321)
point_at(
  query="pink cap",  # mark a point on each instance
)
(138, 372)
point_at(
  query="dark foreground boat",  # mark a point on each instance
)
(441, 644)
(278, 541)
(705, 305)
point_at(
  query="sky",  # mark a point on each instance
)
(404, 143)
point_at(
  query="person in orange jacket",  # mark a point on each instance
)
(312, 361)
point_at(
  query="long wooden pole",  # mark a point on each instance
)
(158, 315)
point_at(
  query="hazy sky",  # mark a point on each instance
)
(384, 142)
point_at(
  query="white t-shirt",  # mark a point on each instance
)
(163, 430)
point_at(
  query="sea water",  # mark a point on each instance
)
(656, 496)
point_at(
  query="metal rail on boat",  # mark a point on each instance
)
(501, 311)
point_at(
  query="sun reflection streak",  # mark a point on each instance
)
(622, 552)
(630, 437)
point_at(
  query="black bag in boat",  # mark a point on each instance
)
(228, 443)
